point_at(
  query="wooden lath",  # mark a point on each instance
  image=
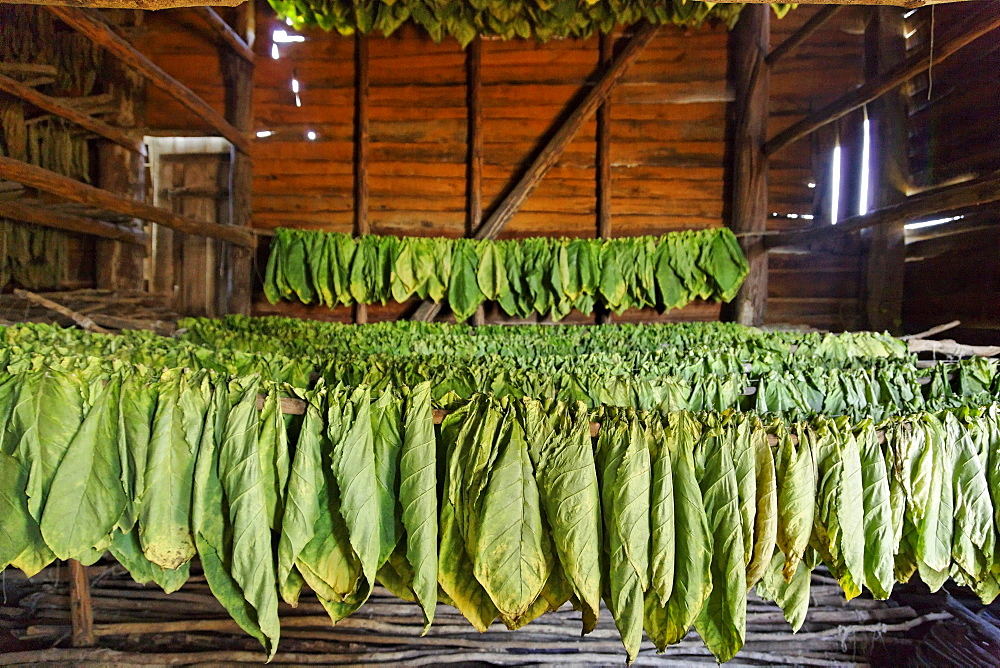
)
(54, 218)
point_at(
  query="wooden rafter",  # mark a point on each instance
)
(361, 105)
(225, 33)
(971, 193)
(887, 81)
(815, 22)
(91, 25)
(47, 217)
(60, 109)
(74, 191)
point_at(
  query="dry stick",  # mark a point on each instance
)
(932, 331)
(56, 184)
(815, 22)
(81, 320)
(950, 347)
(225, 33)
(361, 224)
(882, 84)
(54, 106)
(81, 610)
(90, 24)
(555, 147)
(64, 221)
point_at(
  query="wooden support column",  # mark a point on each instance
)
(750, 74)
(81, 610)
(885, 48)
(550, 153)
(234, 293)
(606, 45)
(361, 225)
(474, 155)
(122, 171)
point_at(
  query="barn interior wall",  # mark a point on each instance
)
(668, 148)
(954, 113)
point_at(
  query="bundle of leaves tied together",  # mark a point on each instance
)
(505, 19)
(547, 276)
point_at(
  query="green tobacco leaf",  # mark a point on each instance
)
(387, 443)
(624, 473)
(272, 453)
(662, 522)
(722, 623)
(567, 481)
(418, 497)
(511, 557)
(19, 530)
(127, 551)
(165, 515)
(86, 497)
(879, 534)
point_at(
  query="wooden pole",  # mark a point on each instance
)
(119, 266)
(949, 198)
(885, 48)
(606, 47)
(227, 35)
(554, 148)
(74, 191)
(815, 22)
(54, 106)
(90, 24)
(58, 220)
(750, 74)
(80, 319)
(474, 155)
(81, 610)
(237, 73)
(361, 224)
(888, 80)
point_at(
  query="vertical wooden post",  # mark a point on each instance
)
(603, 162)
(361, 225)
(118, 265)
(81, 610)
(885, 47)
(748, 45)
(474, 155)
(234, 290)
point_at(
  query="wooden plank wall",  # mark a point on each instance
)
(821, 288)
(667, 150)
(953, 132)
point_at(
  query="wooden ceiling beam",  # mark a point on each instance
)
(940, 200)
(127, 4)
(91, 25)
(890, 79)
(74, 191)
(225, 33)
(69, 223)
(815, 22)
(60, 109)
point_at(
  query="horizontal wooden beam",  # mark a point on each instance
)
(225, 33)
(971, 193)
(54, 106)
(88, 23)
(970, 239)
(886, 81)
(74, 191)
(815, 22)
(70, 223)
(908, 4)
